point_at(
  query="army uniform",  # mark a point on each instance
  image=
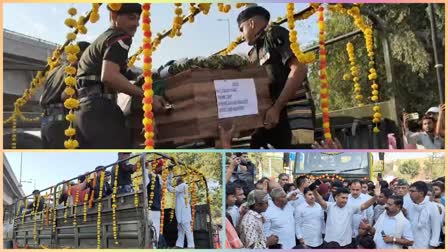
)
(53, 122)
(272, 50)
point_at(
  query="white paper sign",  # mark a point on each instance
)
(236, 97)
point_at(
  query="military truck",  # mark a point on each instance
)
(54, 226)
(348, 165)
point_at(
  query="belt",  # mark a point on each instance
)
(55, 117)
(54, 109)
(94, 91)
(90, 77)
(111, 97)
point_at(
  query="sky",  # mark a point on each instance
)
(204, 37)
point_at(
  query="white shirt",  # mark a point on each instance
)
(425, 223)
(280, 223)
(388, 227)
(299, 200)
(377, 211)
(310, 223)
(424, 141)
(339, 223)
(234, 212)
(407, 201)
(365, 214)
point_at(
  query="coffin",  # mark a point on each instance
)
(195, 105)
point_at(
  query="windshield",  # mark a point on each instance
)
(332, 162)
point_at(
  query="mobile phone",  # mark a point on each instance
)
(382, 233)
(315, 184)
(413, 116)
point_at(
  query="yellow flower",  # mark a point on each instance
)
(71, 144)
(69, 91)
(327, 135)
(376, 108)
(374, 86)
(72, 58)
(70, 81)
(71, 36)
(71, 103)
(70, 22)
(94, 17)
(147, 107)
(374, 98)
(82, 29)
(70, 70)
(149, 135)
(376, 130)
(70, 117)
(70, 132)
(115, 6)
(359, 97)
(346, 77)
(72, 11)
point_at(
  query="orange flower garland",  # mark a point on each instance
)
(153, 182)
(147, 87)
(324, 92)
(136, 183)
(224, 8)
(177, 22)
(92, 194)
(86, 199)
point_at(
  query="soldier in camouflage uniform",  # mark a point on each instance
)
(292, 111)
(52, 100)
(101, 75)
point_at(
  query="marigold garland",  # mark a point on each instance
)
(224, 8)
(92, 193)
(368, 36)
(232, 46)
(75, 221)
(204, 7)
(86, 199)
(66, 203)
(304, 58)
(47, 207)
(162, 208)
(114, 205)
(71, 103)
(324, 90)
(24, 211)
(136, 183)
(153, 184)
(57, 194)
(100, 204)
(193, 10)
(147, 73)
(94, 14)
(35, 208)
(177, 21)
(354, 74)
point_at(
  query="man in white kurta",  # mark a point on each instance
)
(309, 221)
(279, 219)
(424, 217)
(356, 198)
(182, 211)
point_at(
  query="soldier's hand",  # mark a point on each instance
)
(271, 118)
(159, 104)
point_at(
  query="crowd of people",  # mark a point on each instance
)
(332, 214)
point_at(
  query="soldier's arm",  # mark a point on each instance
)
(116, 55)
(297, 72)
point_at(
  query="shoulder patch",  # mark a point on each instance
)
(123, 45)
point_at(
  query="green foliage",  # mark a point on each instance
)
(409, 168)
(407, 26)
(434, 167)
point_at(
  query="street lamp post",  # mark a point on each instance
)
(228, 25)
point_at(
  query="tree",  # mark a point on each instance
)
(409, 168)
(434, 167)
(408, 31)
